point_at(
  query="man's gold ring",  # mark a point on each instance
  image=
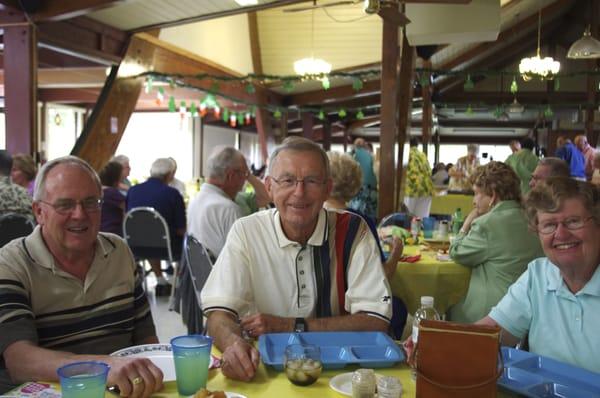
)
(137, 380)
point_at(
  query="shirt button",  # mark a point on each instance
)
(300, 258)
(303, 286)
(301, 272)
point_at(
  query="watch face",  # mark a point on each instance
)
(300, 325)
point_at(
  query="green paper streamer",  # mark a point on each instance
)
(514, 87)
(342, 113)
(215, 87)
(172, 105)
(424, 80)
(556, 84)
(171, 83)
(161, 91)
(277, 114)
(250, 89)
(193, 109)
(469, 83)
(360, 115)
(469, 110)
(240, 119)
(148, 86)
(288, 85)
(225, 115)
(325, 83)
(321, 115)
(357, 84)
(548, 112)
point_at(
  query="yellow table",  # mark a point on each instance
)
(447, 204)
(447, 281)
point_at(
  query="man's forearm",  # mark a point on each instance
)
(354, 322)
(224, 329)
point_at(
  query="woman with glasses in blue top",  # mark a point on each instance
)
(556, 302)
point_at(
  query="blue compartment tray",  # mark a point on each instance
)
(338, 349)
(537, 376)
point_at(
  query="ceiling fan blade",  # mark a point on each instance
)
(313, 7)
(394, 16)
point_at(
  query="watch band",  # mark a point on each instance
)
(300, 325)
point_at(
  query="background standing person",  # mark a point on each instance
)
(588, 152)
(23, 171)
(124, 183)
(549, 167)
(495, 241)
(462, 170)
(113, 201)
(524, 162)
(514, 145)
(568, 152)
(440, 176)
(366, 200)
(419, 187)
(596, 175)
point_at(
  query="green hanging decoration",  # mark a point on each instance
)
(253, 112)
(469, 85)
(215, 87)
(193, 109)
(161, 93)
(548, 112)
(357, 84)
(514, 87)
(225, 117)
(240, 118)
(321, 115)
(469, 110)
(148, 85)
(277, 114)
(172, 104)
(288, 86)
(497, 112)
(342, 113)
(250, 89)
(171, 82)
(360, 115)
(424, 80)
(325, 83)
(556, 84)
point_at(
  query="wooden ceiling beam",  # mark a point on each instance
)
(524, 97)
(69, 95)
(57, 10)
(336, 94)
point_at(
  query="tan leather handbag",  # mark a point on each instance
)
(457, 360)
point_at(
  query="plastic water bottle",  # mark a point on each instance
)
(426, 311)
(415, 226)
(457, 221)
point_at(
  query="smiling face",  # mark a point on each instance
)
(73, 233)
(298, 205)
(570, 249)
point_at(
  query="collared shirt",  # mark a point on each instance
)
(43, 304)
(418, 173)
(561, 325)
(14, 198)
(468, 168)
(523, 163)
(210, 216)
(588, 155)
(261, 270)
(574, 158)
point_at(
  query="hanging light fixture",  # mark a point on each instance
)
(515, 107)
(311, 65)
(585, 48)
(543, 68)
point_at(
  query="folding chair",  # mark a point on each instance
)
(398, 219)
(147, 234)
(14, 225)
(199, 263)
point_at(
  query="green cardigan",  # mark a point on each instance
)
(498, 248)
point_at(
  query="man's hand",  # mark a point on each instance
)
(240, 361)
(258, 324)
(135, 377)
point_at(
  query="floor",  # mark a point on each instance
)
(168, 323)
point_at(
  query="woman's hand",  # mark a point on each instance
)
(467, 223)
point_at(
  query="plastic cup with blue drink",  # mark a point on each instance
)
(83, 379)
(428, 227)
(191, 354)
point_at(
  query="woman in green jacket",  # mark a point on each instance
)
(495, 241)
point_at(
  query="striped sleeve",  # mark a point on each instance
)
(16, 316)
(143, 324)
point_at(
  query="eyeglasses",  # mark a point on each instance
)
(310, 183)
(67, 206)
(572, 224)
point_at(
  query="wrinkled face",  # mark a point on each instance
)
(540, 173)
(239, 174)
(18, 177)
(481, 200)
(126, 170)
(298, 204)
(570, 248)
(73, 232)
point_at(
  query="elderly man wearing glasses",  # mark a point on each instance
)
(69, 293)
(298, 267)
(555, 302)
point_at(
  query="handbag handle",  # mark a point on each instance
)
(499, 371)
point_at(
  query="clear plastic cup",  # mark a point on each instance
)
(389, 387)
(191, 354)
(83, 379)
(302, 363)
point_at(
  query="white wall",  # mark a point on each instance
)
(213, 137)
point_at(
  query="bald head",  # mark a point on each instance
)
(581, 142)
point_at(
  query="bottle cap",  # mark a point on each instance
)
(427, 301)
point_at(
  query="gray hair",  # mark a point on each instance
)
(299, 144)
(39, 190)
(120, 159)
(161, 168)
(473, 148)
(222, 159)
(558, 167)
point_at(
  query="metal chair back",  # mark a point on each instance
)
(14, 225)
(199, 263)
(144, 228)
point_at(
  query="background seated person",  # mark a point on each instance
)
(494, 241)
(157, 193)
(69, 293)
(346, 177)
(555, 302)
(13, 197)
(23, 171)
(113, 201)
(277, 269)
(549, 167)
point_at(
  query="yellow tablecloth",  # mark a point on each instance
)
(447, 204)
(447, 281)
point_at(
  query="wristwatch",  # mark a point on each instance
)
(300, 325)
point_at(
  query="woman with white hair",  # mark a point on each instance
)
(461, 172)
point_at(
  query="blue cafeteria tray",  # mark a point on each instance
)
(537, 376)
(338, 349)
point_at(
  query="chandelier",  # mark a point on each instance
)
(311, 65)
(537, 67)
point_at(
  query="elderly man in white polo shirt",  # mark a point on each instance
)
(213, 211)
(298, 267)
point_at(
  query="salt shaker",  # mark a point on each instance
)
(363, 383)
(389, 387)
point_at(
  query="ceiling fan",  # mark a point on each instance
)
(384, 8)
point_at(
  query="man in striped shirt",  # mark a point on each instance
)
(69, 293)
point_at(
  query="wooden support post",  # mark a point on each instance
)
(326, 135)
(389, 109)
(308, 124)
(427, 115)
(405, 94)
(264, 130)
(20, 88)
